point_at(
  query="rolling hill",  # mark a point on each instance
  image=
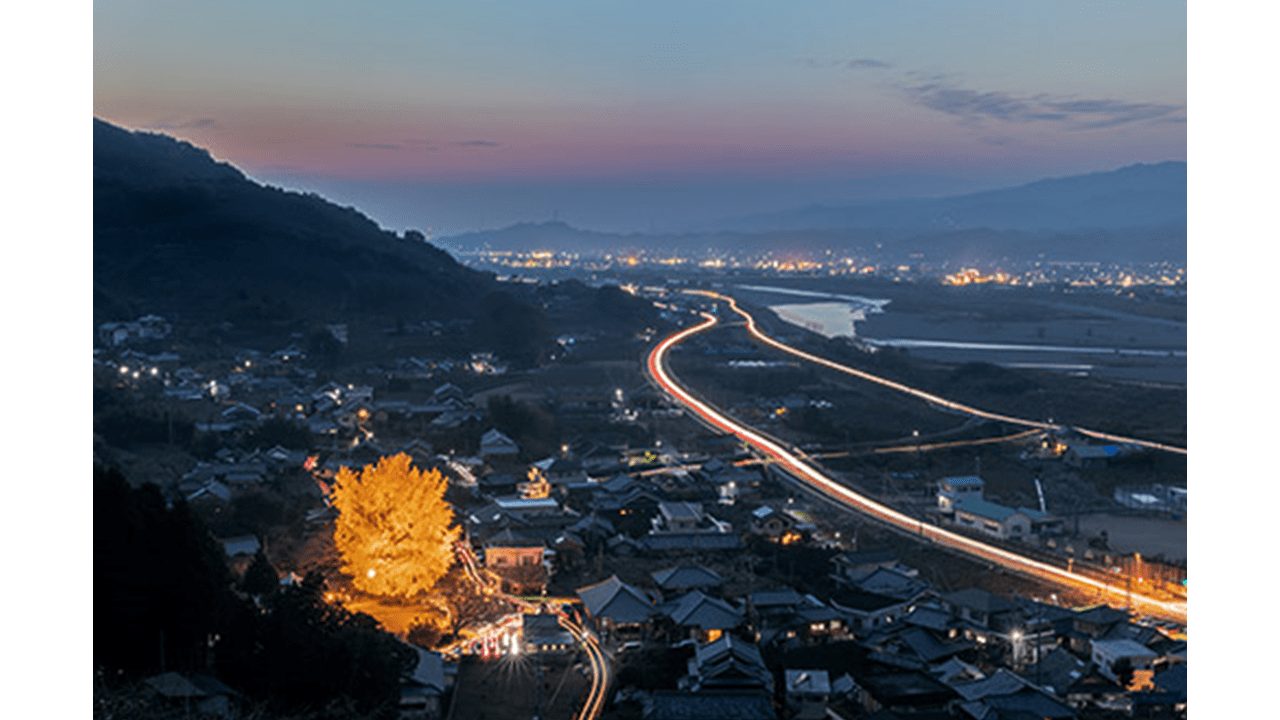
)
(176, 232)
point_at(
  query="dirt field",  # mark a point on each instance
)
(1149, 536)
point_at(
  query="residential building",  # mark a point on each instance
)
(495, 444)
(729, 663)
(1109, 656)
(952, 489)
(701, 617)
(1080, 455)
(543, 633)
(807, 693)
(1001, 521)
(680, 516)
(621, 611)
(681, 578)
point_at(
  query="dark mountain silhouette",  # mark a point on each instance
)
(176, 232)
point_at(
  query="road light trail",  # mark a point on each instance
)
(836, 491)
(952, 444)
(916, 392)
(596, 696)
(929, 447)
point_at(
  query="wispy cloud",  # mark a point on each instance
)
(977, 107)
(478, 143)
(374, 146)
(852, 64)
(188, 124)
(866, 64)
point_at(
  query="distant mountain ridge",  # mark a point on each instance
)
(1132, 196)
(1135, 213)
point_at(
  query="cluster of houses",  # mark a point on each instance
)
(883, 643)
(583, 508)
(145, 328)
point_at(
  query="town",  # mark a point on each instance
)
(630, 557)
(1168, 278)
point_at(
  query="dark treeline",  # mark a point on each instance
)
(164, 600)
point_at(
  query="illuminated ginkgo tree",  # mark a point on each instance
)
(394, 530)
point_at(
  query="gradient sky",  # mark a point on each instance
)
(652, 114)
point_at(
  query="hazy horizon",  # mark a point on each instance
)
(664, 117)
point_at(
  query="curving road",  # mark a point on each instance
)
(759, 335)
(594, 704)
(831, 488)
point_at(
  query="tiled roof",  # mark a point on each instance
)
(617, 601)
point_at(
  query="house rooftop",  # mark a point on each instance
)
(905, 688)
(1096, 451)
(728, 645)
(680, 510)
(616, 600)
(509, 538)
(545, 628)
(993, 511)
(241, 545)
(887, 581)
(963, 481)
(776, 597)
(1001, 682)
(1058, 670)
(669, 705)
(1102, 615)
(687, 576)
(862, 601)
(926, 616)
(815, 682)
(1124, 647)
(517, 503)
(696, 609)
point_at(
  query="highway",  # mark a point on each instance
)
(759, 335)
(833, 489)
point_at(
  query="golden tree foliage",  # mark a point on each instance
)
(394, 530)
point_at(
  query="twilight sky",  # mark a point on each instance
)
(650, 114)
